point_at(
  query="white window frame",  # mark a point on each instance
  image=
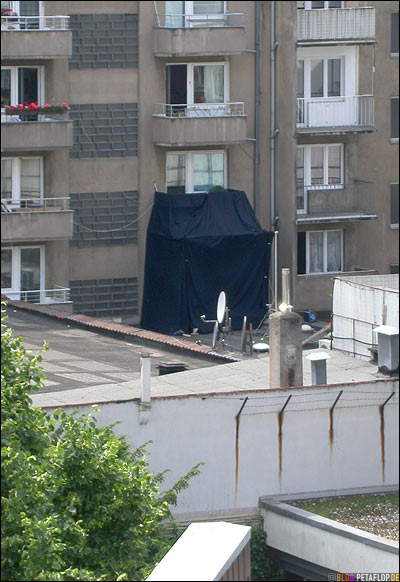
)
(14, 6)
(325, 252)
(190, 81)
(189, 182)
(14, 83)
(308, 6)
(14, 201)
(16, 268)
(307, 171)
(191, 18)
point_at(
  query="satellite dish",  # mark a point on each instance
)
(221, 306)
(261, 347)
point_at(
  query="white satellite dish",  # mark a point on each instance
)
(221, 307)
(261, 347)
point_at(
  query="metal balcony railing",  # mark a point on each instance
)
(56, 295)
(198, 20)
(335, 112)
(32, 23)
(41, 204)
(336, 24)
(229, 109)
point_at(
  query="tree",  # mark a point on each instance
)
(77, 502)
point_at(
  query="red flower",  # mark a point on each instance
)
(65, 105)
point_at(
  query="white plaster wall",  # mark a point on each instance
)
(187, 430)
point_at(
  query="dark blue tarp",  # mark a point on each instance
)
(197, 246)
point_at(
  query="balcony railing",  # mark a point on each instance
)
(56, 295)
(33, 23)
(344, 113)
(198, 20)
(336, 24)
(229, 109)
(32, 204)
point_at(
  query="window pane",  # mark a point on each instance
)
(316, 252)
(394, 104)
(334, 163)
(5, 87)
(29, 8)
(333, 77)
(394, 43)
(6, 191)
(27, 85)
(208, 171)
(334, 250)
(208, 83)
(335, 4)
(317, 4)
(317, 78)
(300, 178)
(6, 281)
(172, 12)
(30, 178)
(317, 165)
(176, 181)
(394, 204)
(30, 269)
(208, 7)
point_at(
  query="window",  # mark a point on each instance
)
(320, 77)
(319, 251)
(394, 38)
(394, 205)
(394, 119)
(187, 14)
(21, 179)
(22, 269)
(394, 269)
(20, 84)
(202, 86)
(318, 167)
(318, 5)
(189, 172)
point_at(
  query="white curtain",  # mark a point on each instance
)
(316, 252)
(214, 83)
(334, 250)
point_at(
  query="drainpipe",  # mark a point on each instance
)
(273, 134)
(256, 107)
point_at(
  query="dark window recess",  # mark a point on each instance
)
(394, 42)
(394, 204)
(394, 123)
(394, 269)
(301, 253)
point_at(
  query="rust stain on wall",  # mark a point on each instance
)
(237, 421)
(331, 432)
(382, 435)
(280, 433)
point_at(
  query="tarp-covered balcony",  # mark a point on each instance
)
(197, 125)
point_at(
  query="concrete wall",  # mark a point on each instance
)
(326, 543)
(247, 460)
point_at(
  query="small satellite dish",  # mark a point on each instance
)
(306, 327)
(221, 306)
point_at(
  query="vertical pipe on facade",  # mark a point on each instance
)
(272, 140)
(256, 106)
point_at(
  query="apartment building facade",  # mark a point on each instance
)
(294, 103)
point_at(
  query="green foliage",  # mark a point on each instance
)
(77, 502)
(218, 189)
(262, 567)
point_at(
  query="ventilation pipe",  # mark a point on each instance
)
(145, 396)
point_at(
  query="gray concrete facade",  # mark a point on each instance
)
(111, 67)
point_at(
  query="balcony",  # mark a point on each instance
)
(177, 35)
(32, 220)
(334, 25)
(335, 114)
(39, 133)
(199, 125)
(335, 203)
(56, 296)
(36, 37)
